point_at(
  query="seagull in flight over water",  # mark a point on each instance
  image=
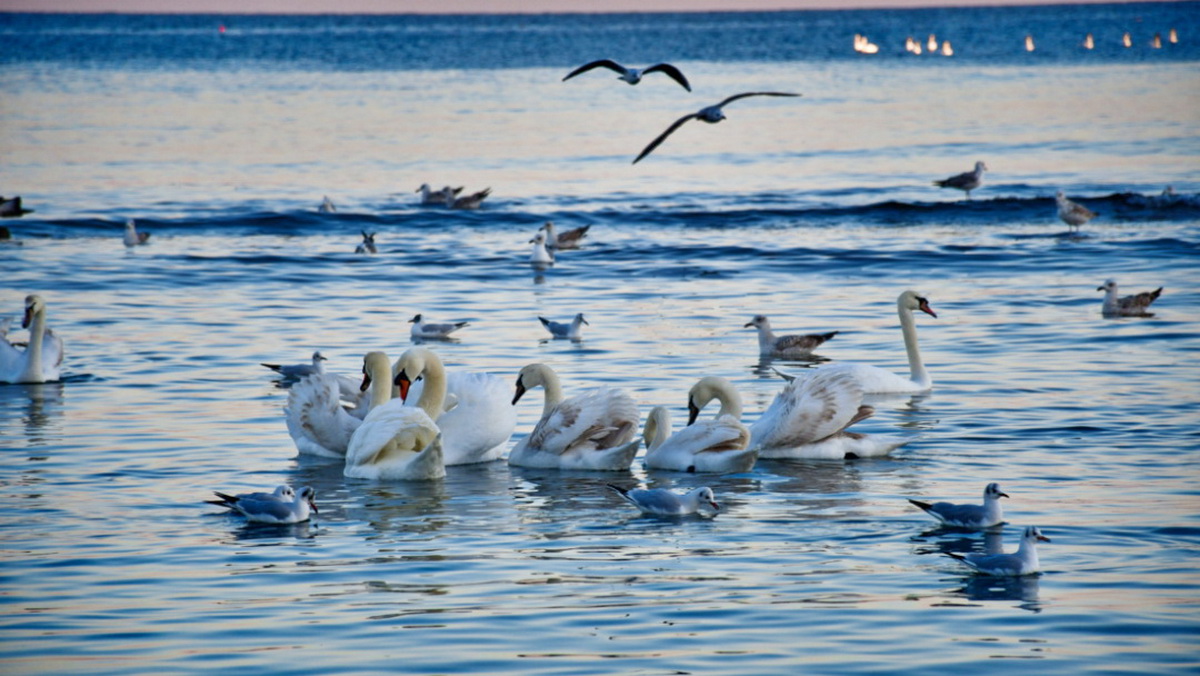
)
(632, 75)
(710, 114)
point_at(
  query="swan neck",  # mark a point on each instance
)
(37, 331)
(381, 385)
(552, 387)
(433, 397)
(731, 403)
(916, 368)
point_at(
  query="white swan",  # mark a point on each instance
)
(594, 430)
(808, 420)
(875, 380)
(478, 427)
(394, 441)
(316, 419)
(41, 360)
(720, 444)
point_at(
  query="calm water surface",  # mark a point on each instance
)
(816, 211)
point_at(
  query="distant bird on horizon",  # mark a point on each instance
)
(1089, 42)
(966, 181)
(132, 236)
(327, 206)
(1127, 40)
(11, 208)
(1071, 213)
(632, 75)
(1137, 305)
(368, 243)
(711, 114)
(1029, 43)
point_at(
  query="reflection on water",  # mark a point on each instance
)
(989, 588)
(36, 408)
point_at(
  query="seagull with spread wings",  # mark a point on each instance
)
(633, 75)
(710, 114)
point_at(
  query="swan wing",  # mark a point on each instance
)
(390, 439)
(479, 425)
(597, 419)
(315, 417)
(52, 354)
(810, 409)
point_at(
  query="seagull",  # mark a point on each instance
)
(1022, 562)
(770, 344)
(468, 202)
(1129, 306)
(132, 236)
(300, 370)
(11, 208)
(1071, 213)
(966, 181)
(438, 197)
(632, 75)
(568, 239)
(710, 114)
(540, 257)
(367, 245)
(667, 503)
(327, 206)
(989, 514)
(564, 330)
(421, 329)
(282, 506)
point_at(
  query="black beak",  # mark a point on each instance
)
(693, 412)
(520, 392)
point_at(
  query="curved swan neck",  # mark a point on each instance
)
(916, 368)
(553, 387)
(380, 373)
(433, 397)
(722, 390)
(731, 402)
(657, 429)
(33, 353)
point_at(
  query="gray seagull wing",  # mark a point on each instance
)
(663, 136)
(602, 63)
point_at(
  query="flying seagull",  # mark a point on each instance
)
(632, 75)
(711, 115)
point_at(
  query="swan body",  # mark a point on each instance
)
(808, 420)
(477, 428)
(41, 360)
(793, 346)
(662, 502)
(1137, 305)
(876, 380)
(989, 514)
(316, 419)
(1022, 562)
(718, 445)
(594, 430)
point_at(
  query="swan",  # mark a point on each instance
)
(316, 419)
(594, 430)
(720, 444)
(394, 441)
(808, 420)
(41, 360)
(478, 427)
(875, 380)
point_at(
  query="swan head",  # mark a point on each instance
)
(374, 363)
(1108, 285)
(911, 300)
(34, 305)
(759, 321)
(531, 376)
(706, 494)
(410, 366)
(709, 388)
(993, 492)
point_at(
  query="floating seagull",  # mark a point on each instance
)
(132, 236)
(420, 329)
(667, 503)
(327, 206)
(468, 202)
(1129, 306)
(282, 506)
(966, 181)
(1023, 562)
(573, 330)
(1173, 37)
(770, 344)
(300, 370)
(1071, 213)
(947, 50)
(568, 239)
(632, 75)
(438, 197)
(540, 257)
(367, 245)
(11, 208)
(932, 44)
(711, 115)
(989, 514)
(1089, 42)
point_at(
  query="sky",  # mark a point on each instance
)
(474, 6)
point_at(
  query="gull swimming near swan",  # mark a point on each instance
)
(662, 502)
(427, 330)
(41, 360)
(710, 114)
(284, 505)
(1071, 213)
(966, 181)
(594, 430)
(977, 517)
(1137, 305)
(789, 346)
(632, 75)
(300, 370)
(132, 236)
(572, 330)
(1022, 562)
(720, 444)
